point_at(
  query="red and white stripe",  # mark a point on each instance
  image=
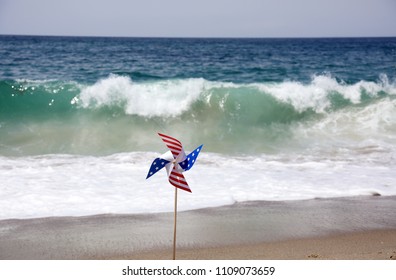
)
(173, 144)
(177, 179)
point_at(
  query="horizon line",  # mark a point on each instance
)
(201, 37)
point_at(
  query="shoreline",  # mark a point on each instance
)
(336, 228)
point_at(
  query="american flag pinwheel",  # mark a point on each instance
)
(175, 161)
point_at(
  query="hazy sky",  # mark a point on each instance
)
(199, 18)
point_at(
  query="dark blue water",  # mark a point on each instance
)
(235, 60)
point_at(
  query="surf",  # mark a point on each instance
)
(117, 114)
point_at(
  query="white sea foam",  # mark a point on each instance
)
(165, 98)
(62, 185)
(316, 95)
(171, 98)
(351, 128)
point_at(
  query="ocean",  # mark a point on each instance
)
(280, 119)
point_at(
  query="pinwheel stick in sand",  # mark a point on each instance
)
(176, 162)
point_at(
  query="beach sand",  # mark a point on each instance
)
(340, 228)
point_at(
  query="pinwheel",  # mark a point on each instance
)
(176, 162)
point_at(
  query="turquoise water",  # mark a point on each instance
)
(56, 92)
(300, 118)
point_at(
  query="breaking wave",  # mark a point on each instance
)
(116, 114)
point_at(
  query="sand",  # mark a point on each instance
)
(370, 245)
(341, 228)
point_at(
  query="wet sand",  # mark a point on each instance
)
(341, 228)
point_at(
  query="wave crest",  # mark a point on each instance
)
(171, 98)
(325, 93)
(167, 98)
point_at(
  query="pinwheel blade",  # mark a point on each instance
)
(190, 159)
(156, 166)
(163, 161)
(174, 145)
(177, 179)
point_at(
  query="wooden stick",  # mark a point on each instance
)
(174, 227)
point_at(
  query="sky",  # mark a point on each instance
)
(199, 18)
